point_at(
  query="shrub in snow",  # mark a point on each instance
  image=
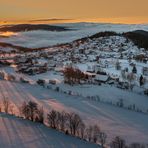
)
(131, 78)
(137, 145)
(141, 80)
(41, 82)
(146, 92)
(118, 66)
(134, 70)
(57, 89)
(120, 103)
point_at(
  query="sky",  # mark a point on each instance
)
(114, 11)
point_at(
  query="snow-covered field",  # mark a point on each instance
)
(16, 133)
(135, 97)
(132, 126)
(36, 39)
(109, 94)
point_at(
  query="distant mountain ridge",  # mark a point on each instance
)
(138, 37)
(19, 48)
(31, 27)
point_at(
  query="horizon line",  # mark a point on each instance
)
(75, 20)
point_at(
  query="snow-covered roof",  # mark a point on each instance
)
(90, 74)
(103, 78)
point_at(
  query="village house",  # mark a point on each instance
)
(145, 71)
(102, 78)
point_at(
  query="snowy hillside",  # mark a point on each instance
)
(36, 39)
(15, 132)
(103, 78)
(113, 120)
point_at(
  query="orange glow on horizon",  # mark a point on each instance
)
(103, 11)
(97, 20)
(7, 34)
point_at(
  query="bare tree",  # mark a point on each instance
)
(11, 108)
(24, 110)
(96, 131)
(62, 119)
(102, 138)
(40, 115)
(29, 110)
(73, 75)
(137, 145)
(33, 108)
(74, 123)
(82, 130)
(6, 104)
(52, 118)
(118, 143)
(89, 133)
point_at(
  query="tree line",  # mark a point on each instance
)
(74, 75)
(139, 38)
(69, 123)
